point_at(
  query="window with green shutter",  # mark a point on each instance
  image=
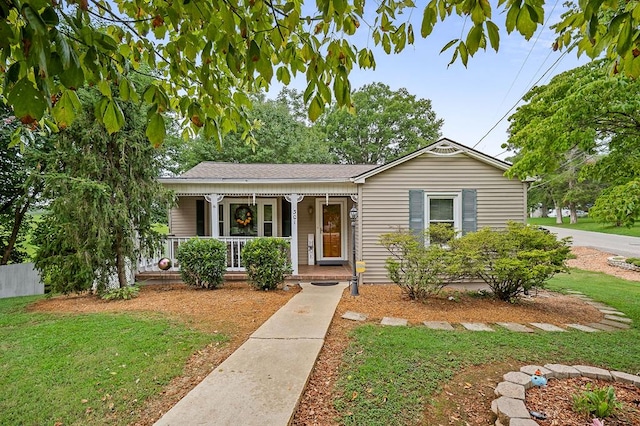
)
(456, 208)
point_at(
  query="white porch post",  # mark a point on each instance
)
(214, 200)
(294, 199)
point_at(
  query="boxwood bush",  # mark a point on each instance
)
(203, 262)
(266, 261)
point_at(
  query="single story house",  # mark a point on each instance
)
(310, 204)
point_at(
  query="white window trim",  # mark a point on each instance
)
(457, 207)
(260, 202)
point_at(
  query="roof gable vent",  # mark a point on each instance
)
(443, 148)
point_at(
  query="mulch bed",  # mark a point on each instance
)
(556, 401)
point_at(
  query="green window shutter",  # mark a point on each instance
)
(469, 211)
(416, 211)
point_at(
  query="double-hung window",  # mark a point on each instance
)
(443, 208)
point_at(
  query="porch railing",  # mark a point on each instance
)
(234, 248)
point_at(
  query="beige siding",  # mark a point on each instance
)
(183, 217)
(385, 197)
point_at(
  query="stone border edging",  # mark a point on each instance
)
(510, 407)
(620, 262)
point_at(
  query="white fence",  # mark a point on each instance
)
(234, 248)
(20, 279)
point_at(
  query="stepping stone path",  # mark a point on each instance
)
(546, 327)
(617, 318)
(613, 321)
(512, 326)
(583, 328)
(509, 405)
(394, 321)
(354, 316)
(439, 325)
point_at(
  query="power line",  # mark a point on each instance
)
(529, 54)
(518, 101)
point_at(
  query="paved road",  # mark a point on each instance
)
(615, 244)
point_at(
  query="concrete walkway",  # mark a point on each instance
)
(262, 381)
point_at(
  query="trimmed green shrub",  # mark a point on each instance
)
(122, 293)
(420, 270)
(203, 262)
(511, 261)
(266, 261)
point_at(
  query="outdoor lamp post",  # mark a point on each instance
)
(353, 215)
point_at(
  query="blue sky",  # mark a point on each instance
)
(470, 100)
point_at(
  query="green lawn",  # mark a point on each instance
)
(391, 372)
(587, 224)
(91, 369)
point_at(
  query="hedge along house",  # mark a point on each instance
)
(309, 204)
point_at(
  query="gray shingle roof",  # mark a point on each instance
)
(234, 171)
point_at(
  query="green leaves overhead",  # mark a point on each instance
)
(205, 52)
(28, 102)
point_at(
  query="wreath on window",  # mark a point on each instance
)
(243, 216)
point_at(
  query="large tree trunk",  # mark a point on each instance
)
(573, 216)
(558, 208)
(17, 222)
(544, 210)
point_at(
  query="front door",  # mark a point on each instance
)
(331, 232)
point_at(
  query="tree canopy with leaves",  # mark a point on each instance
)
(585, 120)
(282, 137)
(388, 124)
(582, 108)
(208, 55)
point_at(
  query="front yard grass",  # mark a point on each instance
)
(587, 224)
(92, 369)
(391, 373)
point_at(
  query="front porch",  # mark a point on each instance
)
(306, 273)
(317, 227)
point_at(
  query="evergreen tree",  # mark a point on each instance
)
(103, 189)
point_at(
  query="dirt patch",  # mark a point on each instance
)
(378, 301)
(593, 260)
(463, 399)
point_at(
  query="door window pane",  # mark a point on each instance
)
(331, 229)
